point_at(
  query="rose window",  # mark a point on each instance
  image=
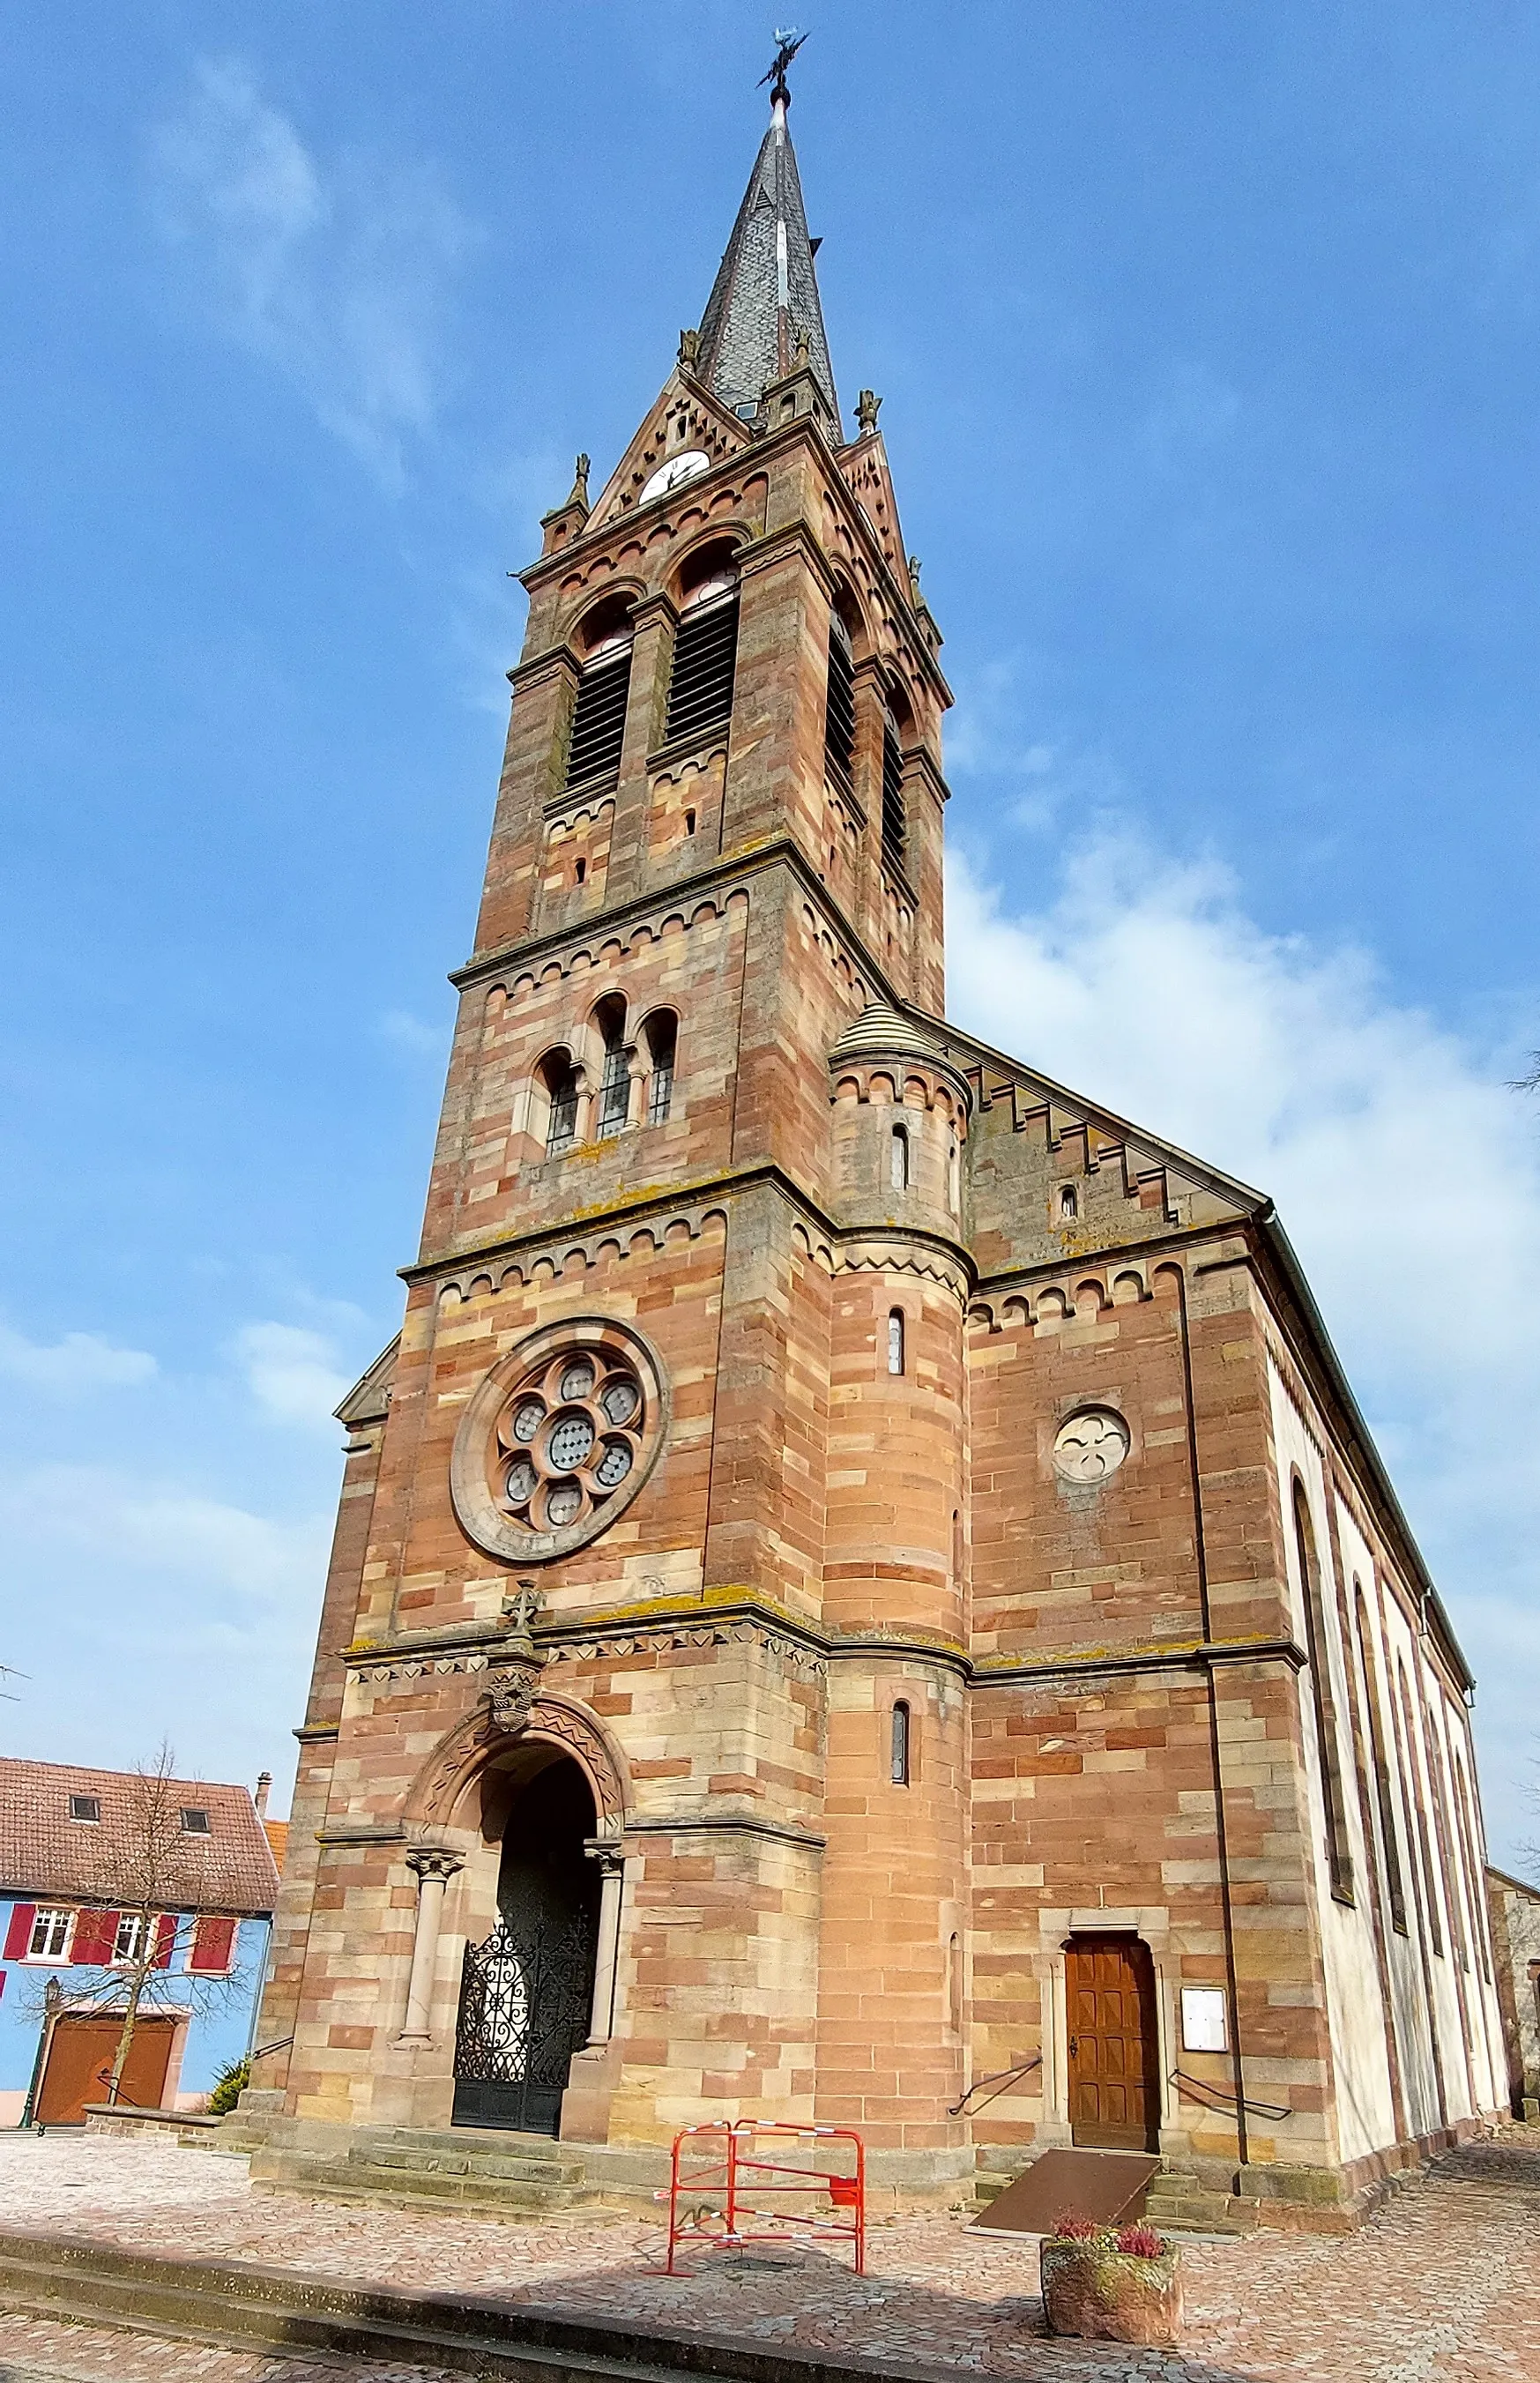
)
(558, 1439)
(568, 1437)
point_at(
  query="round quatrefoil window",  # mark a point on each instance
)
(1090, 1446)
(558, 1439)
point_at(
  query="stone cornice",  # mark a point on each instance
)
(697, 1191)
(687, 1824)
(1185, 1655)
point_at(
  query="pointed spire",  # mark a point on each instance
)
(764, 304)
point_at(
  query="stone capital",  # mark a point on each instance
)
(435, 1861)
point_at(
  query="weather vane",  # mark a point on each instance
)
(790, 41)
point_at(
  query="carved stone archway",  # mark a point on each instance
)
(437, 1792)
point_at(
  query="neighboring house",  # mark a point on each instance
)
(1515, 1908)
(66, 1836)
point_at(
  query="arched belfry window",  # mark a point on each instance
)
(615, 1076)
(662, 1041)
(893, 786)
(559, 1079)
(704, 645)
(599, 715)
(1340, 1863)
(839, 716)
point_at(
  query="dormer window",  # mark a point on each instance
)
(704, 645)
(85, 1808)
(195, 1822)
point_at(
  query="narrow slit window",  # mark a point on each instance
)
(896, 1342)
(898, 1746)
(689, 822)
(898, 1159)
(705, 657)
(580, 872)
(1069, 1204)
(839, 715)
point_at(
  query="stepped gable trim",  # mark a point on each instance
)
(466, 1273)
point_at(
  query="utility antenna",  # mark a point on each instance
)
(789, 42)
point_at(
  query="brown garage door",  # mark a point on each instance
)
(80, 2054)
(1113, 2077)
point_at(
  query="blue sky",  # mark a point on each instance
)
(1210, 344)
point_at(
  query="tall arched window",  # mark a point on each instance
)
(839, 711)
(662, 1037)
(898, 1159)
(1385, 1801)
(705, 644)
(1453, 1902)
(1340, 1863)
(614, 1100)
(599, 716)
(954, 1171)
(1414, 1788)
(896, 1342)
(898, 1746)
(559, 1078)
(1473, 1871)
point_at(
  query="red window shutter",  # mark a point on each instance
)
(213, 1943)
(19, 1936)
(95, 1936)
(165, 1938)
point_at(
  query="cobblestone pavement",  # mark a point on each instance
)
(1442, 2286)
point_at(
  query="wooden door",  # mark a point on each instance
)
(1114, 2067)
(80, 2054)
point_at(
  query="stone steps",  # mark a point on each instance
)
(1176, 2204)
(473, 2167)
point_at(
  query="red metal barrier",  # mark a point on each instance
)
(735, 2173)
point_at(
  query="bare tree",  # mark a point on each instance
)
(147, 1871)
(1530, 1080)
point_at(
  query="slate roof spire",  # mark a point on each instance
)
(765, 298)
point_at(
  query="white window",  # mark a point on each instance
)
(51, 1934)
(898, 1160)
(129, 1936)
(896, 1342)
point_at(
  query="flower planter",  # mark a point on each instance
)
(1093, 2289)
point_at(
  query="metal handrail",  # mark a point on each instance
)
(1217, 2096)
(999, 2078)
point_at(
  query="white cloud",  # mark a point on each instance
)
(292, 1374)
(1406, 1173)
(72, 1367)
(335, 272)
(412, 1035)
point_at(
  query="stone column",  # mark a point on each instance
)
(434, 1868)
(612, 1862)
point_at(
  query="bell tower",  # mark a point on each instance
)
(663, 1481)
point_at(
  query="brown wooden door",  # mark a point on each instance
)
(80, 2054)
(1113, 2081)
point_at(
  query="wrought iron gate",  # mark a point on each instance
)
(525, 1997)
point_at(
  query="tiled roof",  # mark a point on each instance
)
(766, 292)
(277, 1834)
(43, 1852)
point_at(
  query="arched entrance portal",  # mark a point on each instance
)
(526, 1994)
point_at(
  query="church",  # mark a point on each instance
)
(862, 1594)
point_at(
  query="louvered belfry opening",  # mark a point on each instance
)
(892, 788)
(705, 646)
(599, 716)
(839, 716)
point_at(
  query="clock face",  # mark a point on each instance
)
(671, 474)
